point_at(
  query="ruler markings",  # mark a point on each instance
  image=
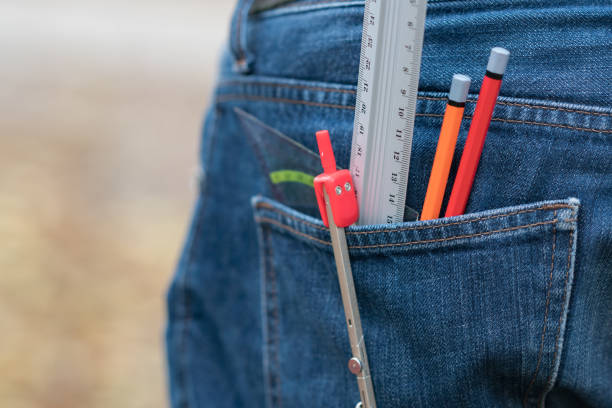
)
(358, 158)
(392, 192)
(386, 104)
(376, 172)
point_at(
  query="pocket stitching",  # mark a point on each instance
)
(273, 384)
(545, 207)
(410, 243)
(290, 86)
(544, 328)
(428, 98)
(292, 8)
(231, 97)
(549, 380)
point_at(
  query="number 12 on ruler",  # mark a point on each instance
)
(385, 107)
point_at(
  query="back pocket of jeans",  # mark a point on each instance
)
(463, 311)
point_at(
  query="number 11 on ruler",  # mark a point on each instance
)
(385, 108)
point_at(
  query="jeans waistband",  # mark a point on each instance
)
(560, 50)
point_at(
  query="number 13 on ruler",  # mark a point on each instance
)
(389, 67)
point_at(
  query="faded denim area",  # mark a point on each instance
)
(506, 306)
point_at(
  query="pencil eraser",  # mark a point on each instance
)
(459, 89)
(498, 60)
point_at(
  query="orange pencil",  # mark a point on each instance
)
(446, 146)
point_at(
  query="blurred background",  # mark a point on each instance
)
(101, 105)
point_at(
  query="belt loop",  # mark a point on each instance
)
(239, 38)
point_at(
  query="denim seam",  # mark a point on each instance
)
(416, 228)
(526, 122)
(544, 326)
(409, 243)
(290, 86)
(526, 105)
(549, 380)
(288, 6)
(182, 367)
(186, 293)
(265, 360)
(428, 98)
(229, 97)
(290, 229)
(272, 323)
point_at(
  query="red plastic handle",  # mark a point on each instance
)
(338, 184)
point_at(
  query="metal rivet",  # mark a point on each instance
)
(338, 190)
(347, 186)
(354, 365)
(359, 405)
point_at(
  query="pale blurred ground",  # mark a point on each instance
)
(101, 103)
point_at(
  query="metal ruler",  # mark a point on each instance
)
(389, 67)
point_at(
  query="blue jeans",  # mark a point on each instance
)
(508, 305)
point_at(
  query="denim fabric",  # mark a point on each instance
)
(506, 306)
